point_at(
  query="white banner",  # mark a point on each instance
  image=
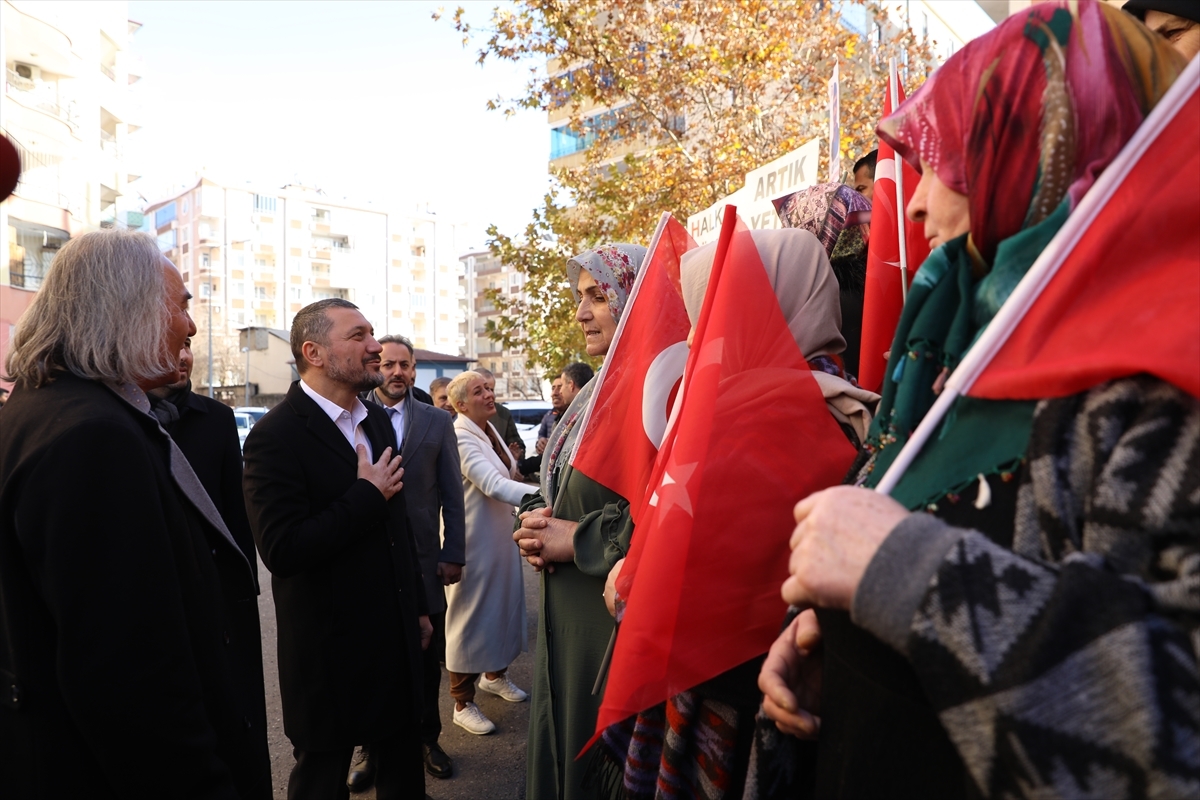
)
(787, 174)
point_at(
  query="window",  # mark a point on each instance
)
(166, 241)
(417, 300)
(164, 215)
(238, 317)
(260, 293)
(205, 261)
(196, 203)
(185, 206)
(241, 260)
(321, 216)
(237, 288)
(296, 292)
(260, 262)
(185, 233)
(264, 204)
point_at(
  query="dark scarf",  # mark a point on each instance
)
(167, 408)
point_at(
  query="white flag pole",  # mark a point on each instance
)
(1044, 269)
(835, 126)
(893, 82)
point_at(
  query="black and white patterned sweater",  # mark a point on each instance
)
(1066, 664)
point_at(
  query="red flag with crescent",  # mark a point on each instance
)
(751, 436)
(641, 373)
(883, 299)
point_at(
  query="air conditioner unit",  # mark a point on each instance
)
(27, 71)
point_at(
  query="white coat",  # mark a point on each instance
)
(485, 611)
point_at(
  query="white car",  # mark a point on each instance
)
(244, 423)
(527, 414)
(256, 412)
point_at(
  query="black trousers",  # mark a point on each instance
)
(399, 765)
(432, 658)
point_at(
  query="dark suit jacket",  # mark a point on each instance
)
(507, 426)
(207, 434)
(432, 484)
(344, 575)
(129, 619)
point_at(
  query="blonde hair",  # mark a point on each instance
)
(456, 390)
(101, 314)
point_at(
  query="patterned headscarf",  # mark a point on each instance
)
(1022, 121)
(1033, 112)
(613, 267)
(825, 211)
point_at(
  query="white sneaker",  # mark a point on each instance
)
(472, 720)
(503, 687)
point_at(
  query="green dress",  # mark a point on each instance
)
(574, 628)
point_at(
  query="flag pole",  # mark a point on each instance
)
(1044, 269)
(893, 82)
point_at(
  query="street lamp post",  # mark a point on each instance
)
(246, 350)
(210, 352)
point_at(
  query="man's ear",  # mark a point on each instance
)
(312, 354)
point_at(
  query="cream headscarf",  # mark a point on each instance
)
(807, 291)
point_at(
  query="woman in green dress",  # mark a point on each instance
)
(574, 530)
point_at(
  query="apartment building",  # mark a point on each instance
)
(516, 379)
(254, 256)
(67, 107)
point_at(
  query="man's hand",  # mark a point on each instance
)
(449, 573)
(544, 539)
(517, 449)
(384, 474)
(426, 631)
(837, 533)
(540, 447)
(790, 678)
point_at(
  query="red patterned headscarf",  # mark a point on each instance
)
(1033, 111)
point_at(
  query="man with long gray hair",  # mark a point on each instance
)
(130, 652)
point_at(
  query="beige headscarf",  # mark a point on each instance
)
(807, 291)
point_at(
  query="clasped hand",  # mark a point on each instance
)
(543, 539)
(385, 474)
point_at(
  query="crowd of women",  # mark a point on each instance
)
(1021, 616)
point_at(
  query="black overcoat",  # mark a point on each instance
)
(128, 621)
(344, 575)
(207, 434)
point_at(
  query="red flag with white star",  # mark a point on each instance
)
(883, 300)
(641, 373)
(752, 436)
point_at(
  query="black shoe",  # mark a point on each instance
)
(437, 763)
(362, 772)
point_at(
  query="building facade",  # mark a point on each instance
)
(516, 379)
(68, 109)
(254, 256)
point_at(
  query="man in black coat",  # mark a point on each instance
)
(130, 652)
(322, 485)
(433, 493)
(206, 432)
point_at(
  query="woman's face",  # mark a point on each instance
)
(480, 405)
(594, 316)
(944, 211)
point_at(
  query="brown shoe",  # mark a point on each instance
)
(362, 772)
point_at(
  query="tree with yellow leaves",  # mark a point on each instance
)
(669, 105)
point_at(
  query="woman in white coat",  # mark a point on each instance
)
(485, 614)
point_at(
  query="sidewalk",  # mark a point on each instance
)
(488, 767)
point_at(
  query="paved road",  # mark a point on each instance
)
(488, 767)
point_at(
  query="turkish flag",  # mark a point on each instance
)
(884, 301)
(641, 373)
(751, 437)
(1126, 298)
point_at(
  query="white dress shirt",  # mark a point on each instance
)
(348, 422)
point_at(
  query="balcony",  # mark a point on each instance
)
(41, 96)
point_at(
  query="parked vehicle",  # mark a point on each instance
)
(527, 414)
(244, 423)
(256, 412)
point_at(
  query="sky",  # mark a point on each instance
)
(372, 101)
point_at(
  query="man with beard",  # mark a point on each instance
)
(433, 481)
(322, 484)
(206, 432)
